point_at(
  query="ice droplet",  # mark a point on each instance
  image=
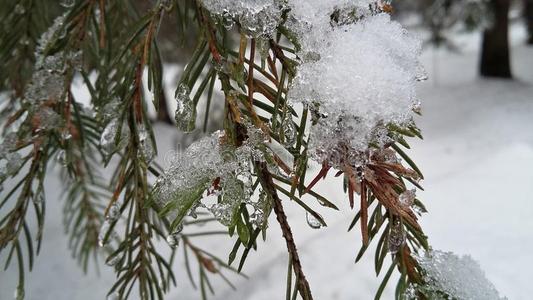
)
(109, 141)
(396, 237)
(19, 293)
(110, 110)
(173, 240)
(113, 260)
(421, 73)
(61, 157)
(186, 110)
(289, 129)
(114, 212)
(256, 17)
(312, 221)
(147, 151)
(407, 198)
(103, 232)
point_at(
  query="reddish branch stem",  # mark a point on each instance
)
(302, 284)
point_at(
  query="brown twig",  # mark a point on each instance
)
(268, 184)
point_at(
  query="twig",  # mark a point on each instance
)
(268, 184)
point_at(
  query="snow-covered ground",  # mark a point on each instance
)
(477, 157)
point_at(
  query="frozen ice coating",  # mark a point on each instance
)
(208, 165)
(319, 11)
(110, 140)
(361, 77)
(460, 277)
(256, 17)
(311, 20)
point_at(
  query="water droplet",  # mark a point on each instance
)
(110, 141)
(173, 239)
(113, 260)
(396, 237)
(103, 232)
(407, 198)
(312, 221)
(186, 110)
(417, 107)
(421, 73)
(114, 212)
(147, 151)
(19, 293)
(289, 129)
(61, 157)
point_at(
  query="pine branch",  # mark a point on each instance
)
(268, 185)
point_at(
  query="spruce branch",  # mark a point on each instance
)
(268, 185)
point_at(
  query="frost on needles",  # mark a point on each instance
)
(212, 168)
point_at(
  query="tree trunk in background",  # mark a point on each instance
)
(528, 16)
(495, 58)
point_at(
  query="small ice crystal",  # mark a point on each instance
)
(396, 237)
(173, 240)
(208, 165)
(312, 221)
(113, 260)
(458, 277)
(61, 157)
(407, 198)
(110, 110)
(256, 17)
(289, 129)
(110, 141)
(114, 212)
(262, 207)
(186, 109)
(146, 151)
(19, 293)
(103, 232)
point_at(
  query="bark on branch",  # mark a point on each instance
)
(268, 184)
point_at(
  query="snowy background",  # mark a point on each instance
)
(477, 157)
